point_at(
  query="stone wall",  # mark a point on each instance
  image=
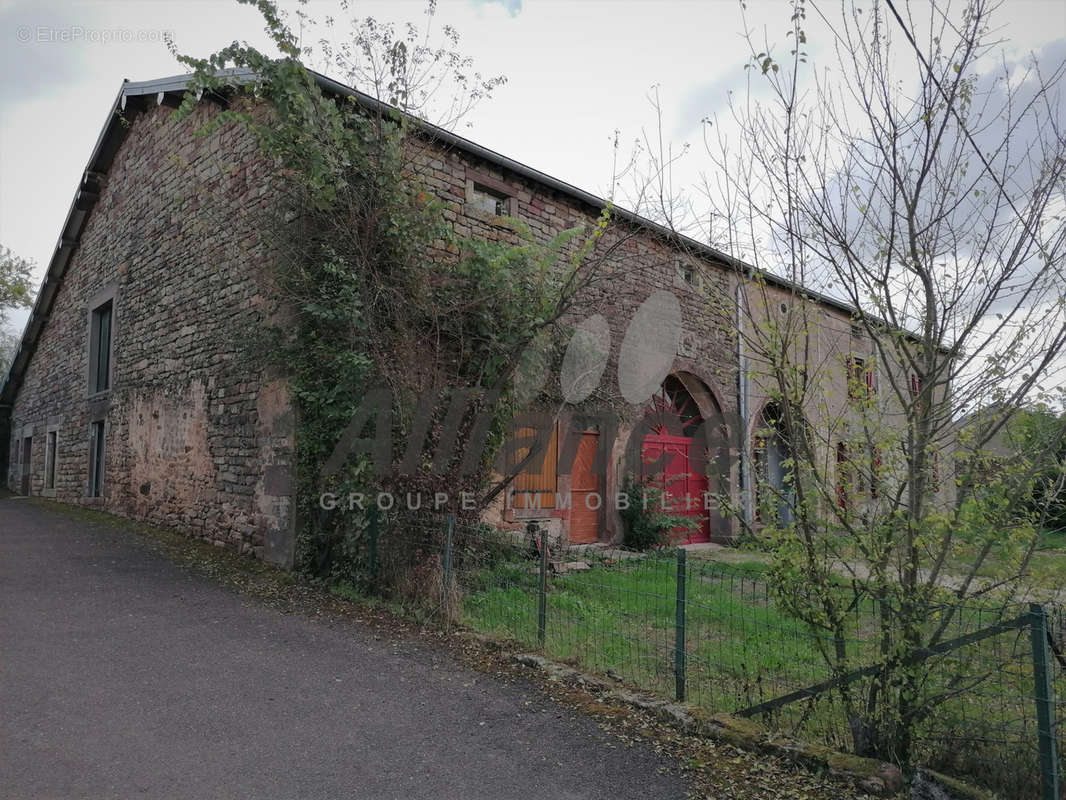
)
(191, 420)
(198, 437)
(636, 262)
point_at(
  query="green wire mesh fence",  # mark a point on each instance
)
(713, 634)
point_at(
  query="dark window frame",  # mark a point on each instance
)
(861, 383)
(25, 448)
(97, 458)
(100, 371)
(51, 458)
(915, 385)
(845, 476)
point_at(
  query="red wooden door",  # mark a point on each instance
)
(683, 486)
(585, 496)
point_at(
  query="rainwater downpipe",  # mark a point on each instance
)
(742, 406)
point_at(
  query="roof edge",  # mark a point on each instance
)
(114, 132)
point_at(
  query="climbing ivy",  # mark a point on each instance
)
(382, 292)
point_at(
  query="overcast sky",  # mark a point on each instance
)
(577, 70)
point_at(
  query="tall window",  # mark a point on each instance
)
(96, 459)
(845, 476)
(916, 386)
(858, 472)
(100, 327)
(875, 473)
(26, 471)
(50, 460)
(860, 379)
(774, 469)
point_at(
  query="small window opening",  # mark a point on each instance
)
(490, 200)
(686, 272)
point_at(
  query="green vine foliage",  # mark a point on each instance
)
(647, 525)
(382, 292)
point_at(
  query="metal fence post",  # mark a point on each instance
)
(372, 544)
(679, 628)
(542, 590)
(1045, 717)
(448, 536)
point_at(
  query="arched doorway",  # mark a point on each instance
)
(676, 420)
(774, 491)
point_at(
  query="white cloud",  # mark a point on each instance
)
(577, 71)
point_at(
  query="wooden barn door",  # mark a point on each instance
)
(534, 488)
(683, 485)
(585, 497)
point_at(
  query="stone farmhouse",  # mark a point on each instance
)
(129, 392)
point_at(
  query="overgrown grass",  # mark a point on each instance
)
(1046, 576)
(619, 619)
(740, 648)
(1053, 540)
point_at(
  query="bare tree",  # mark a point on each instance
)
(419, 69)
(934, 207)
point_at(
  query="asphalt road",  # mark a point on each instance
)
(123, 676)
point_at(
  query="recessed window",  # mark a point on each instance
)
(490, 201)
(26, 464)
(100, 329)
(96, 459)
(860, 379)
(916, 385)
(858, 470)
(686, 272)
(50, 460)
(845, 476)
(487, 195)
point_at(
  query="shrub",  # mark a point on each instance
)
(647, 527)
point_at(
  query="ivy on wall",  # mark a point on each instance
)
(379, 290)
